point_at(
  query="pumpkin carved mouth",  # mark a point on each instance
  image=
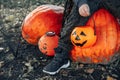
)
(79, 44)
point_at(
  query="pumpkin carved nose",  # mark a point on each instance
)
(77, 38)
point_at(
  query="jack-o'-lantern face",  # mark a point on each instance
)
(47, 43)
(43, 49)
(83, 36)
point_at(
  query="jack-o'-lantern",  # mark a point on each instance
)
(107, 43)
(83, 36)
(41, 20)
(47, 43)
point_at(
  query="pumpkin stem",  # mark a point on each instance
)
(50, 34)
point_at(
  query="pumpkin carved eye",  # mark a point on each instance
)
(74, 33)
(82, 33)
(83, 36)
(45, 46)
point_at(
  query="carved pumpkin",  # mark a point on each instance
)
(41, 20)
(107, 43)
(47, 43)
(83, 36)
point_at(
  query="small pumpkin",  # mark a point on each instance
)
(83, 36)
(41, 20)
(47, 43)
(107, 43)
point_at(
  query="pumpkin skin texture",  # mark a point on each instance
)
(118, 44)
(83, 36)
(41, 20)
(107, 43)
(47, 43)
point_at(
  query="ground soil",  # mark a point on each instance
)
(22, 61)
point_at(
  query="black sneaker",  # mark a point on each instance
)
(55, 66)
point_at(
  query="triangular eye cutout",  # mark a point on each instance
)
(74, 33)
(82, 33)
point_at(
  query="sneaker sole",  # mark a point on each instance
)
(53, 73)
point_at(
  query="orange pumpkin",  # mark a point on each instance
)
(83, 36)
(107, 43)
(41, 20)
(118, 43)
(47, 43)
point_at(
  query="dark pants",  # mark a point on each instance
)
(72, 17)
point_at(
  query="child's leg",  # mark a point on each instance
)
(113, 6)
(60, 59)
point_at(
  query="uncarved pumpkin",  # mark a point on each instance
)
(107, 43)
(47, 43)
(41, 20)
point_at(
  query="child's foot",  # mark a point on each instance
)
(55, 66)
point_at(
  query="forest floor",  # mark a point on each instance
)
(22, 61)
